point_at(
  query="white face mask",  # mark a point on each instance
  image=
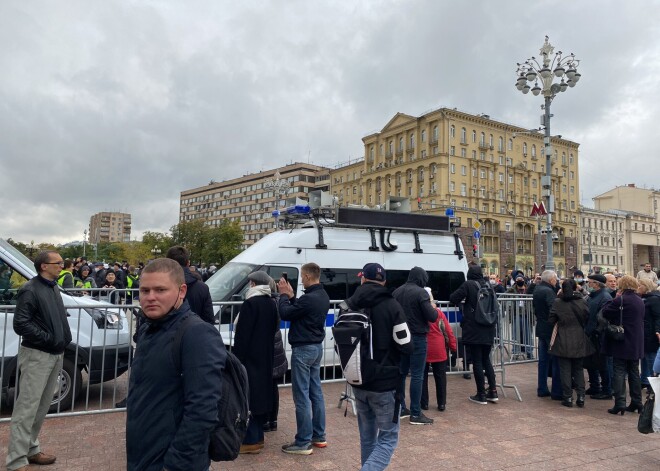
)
(493, 282)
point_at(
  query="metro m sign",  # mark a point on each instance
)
(538, 210)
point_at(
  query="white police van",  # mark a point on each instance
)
(341, 241)
(100, 345)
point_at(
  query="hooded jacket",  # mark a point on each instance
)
(199, 297)
(473, 332)
(571, 316)
(390, 333)
(415, 302)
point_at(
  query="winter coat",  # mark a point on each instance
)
(40, 317)
(473, 332)
(307, 316)
(110, 293)
(199, 297)
(416, 302)
(390, 333)
(595, 301)
(436, 349)
(651, 320)
(632, 347)
(170, 414)
(254, 346)
(543, 299)
(571, 318)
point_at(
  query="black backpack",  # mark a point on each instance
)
(233, 407)
(487, 307)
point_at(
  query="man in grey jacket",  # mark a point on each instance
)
(40, 318)
(417, 305)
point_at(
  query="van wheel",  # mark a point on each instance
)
(64, 394)
(64, 387)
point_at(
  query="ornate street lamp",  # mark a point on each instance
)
(547, 71)
(155, 251)
(279, 187)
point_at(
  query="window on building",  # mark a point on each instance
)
(435, 133)
(474, 136)
(452, 186)
(463, 170)
(452, 150)
(452, 131)
(482, 173)
(463, 136)
(463, 152)
(453, 168)
(423, 135)
(411, 140)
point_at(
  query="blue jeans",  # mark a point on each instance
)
(307, 393)
(647, 366)
(415, 363)
(546, 360)
(379, 435)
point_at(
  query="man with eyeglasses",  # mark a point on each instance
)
(41, 319)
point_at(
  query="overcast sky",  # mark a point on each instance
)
(121, 105)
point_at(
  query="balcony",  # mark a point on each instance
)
(410, 150)
(485, 146)
(399, 152)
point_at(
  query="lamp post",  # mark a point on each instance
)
(84, 240)
(550, 67)
(155, 251)
(515, 247)
(279, 187)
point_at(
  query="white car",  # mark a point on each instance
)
(101, 338)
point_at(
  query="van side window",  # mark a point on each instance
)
(291, 272)
(339, 283)
(10, 282)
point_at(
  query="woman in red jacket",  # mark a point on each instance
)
(440, 334)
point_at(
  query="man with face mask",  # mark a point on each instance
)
(519, 286)
(495, 284)
(170, 413)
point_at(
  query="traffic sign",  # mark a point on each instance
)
(449, 212)
(476, 224)
(477, 234)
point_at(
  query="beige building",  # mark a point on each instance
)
(250, 200)
(110, 227)
(602, 240)
(485, 169)
(639, 209)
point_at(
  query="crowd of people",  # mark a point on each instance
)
(602, 323)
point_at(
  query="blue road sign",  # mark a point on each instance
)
(449, 212)
(477, 234)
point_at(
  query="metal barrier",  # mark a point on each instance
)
(97, 364)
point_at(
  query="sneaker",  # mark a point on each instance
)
(478, 398)
(404, 413)
(294, 449)
(491, 396)
(420, 419)
(319, 443)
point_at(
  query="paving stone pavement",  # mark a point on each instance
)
(536, 434)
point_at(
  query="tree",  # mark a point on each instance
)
(223, 242)
(153, 239)
(192, 236)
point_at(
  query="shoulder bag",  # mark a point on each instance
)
(613, 332)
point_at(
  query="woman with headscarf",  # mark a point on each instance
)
(626, 310)
(254, 344)
(569, 313)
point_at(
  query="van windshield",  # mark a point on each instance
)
(230, 277)
(22, 259)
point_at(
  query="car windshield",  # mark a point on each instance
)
(224, 283)
(23, 260)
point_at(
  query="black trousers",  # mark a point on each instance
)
(481, 364)
(440, 376)
(272, 416)
(570, 372)
(621, 369)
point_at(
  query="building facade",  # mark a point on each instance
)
(602, 240)
(638, 209)
(250, 200)
(110, 227)
(486, 170)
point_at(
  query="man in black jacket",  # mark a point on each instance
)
(307, 316)
(171, 413)
(543, 298)
(478, 338)
(416, 304)
(41, 319)
(375, 400)
(600, 380)
(198, 294)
